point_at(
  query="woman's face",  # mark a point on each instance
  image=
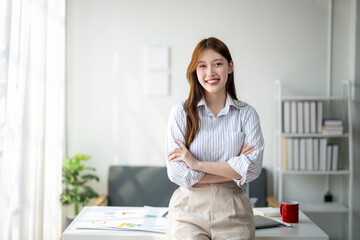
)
(212, 72)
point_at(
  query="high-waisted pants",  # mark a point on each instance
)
(216, 211)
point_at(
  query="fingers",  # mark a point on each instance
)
(247, 149)
(176, 153)
(178, 159)
(172, 152)
(249, 152)
(182, 145)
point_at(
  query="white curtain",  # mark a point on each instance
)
(32, 66)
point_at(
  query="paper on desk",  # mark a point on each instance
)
(139, 224)
(123, 214)
(142, 219)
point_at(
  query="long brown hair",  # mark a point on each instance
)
(197, 91)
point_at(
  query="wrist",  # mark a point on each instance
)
(198, 165)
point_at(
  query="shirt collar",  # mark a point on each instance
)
(229, 102)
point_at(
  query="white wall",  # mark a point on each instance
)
(110, 118)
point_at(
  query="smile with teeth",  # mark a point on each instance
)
(212, 80)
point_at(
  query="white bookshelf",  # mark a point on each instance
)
(342, 202)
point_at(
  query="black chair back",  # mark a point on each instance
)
(139, 186)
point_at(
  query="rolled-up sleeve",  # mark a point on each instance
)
(178, 172)
(249, 167)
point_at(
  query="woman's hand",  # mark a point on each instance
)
(247, 149)
(183, 154)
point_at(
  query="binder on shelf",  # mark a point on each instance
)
(319, 116)
(302, 154)
(296, 154)
(335, 157)
(289, 153)
(293, 117)
(286, 117)
(300, 117)
(284, 162)
(309, 154)
(322, 154)
(328, 156)
(313, 123)
(316, 153)
(306, 117)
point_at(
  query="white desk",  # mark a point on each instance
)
(305, 229)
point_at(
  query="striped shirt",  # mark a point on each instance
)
(220, 139)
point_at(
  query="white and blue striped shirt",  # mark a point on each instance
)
(220, 139)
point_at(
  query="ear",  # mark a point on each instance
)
(231, 67)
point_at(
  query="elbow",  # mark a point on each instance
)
(258, 168)
(178, 180)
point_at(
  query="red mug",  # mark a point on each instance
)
(289, 211)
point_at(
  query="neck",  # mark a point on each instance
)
(215, 102)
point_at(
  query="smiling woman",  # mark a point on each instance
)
(214, 147)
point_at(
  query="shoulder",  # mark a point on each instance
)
(245, 109)
(242, 106)
(178, 110)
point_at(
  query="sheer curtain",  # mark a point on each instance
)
(32, 66)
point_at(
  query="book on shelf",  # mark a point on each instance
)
(313, 123)
(306, 117)
(332, 157)
(332, 122)
(332, 126)
(284, 153)
(335, 157)
(309, 154)
(302, 154)
(319, 116)
(300, 117)
(293, 117)
(286, 116)
(328, 157)
(289, 153)
(316, 153)
(296, 154)
(322, 154)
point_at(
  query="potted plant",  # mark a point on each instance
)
(75, 177)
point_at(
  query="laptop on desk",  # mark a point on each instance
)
(264, 222)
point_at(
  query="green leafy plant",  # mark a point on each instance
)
(75, 176)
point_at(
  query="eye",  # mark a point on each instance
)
(218, 64)
(201, 66)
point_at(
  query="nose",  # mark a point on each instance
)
(211, 71)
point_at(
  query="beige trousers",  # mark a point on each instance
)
(216, 211)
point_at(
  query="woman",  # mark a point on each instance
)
(214, 147)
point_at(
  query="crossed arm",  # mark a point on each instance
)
(215, 172)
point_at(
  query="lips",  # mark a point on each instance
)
(212, 81)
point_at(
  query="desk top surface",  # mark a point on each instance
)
(304, 229)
